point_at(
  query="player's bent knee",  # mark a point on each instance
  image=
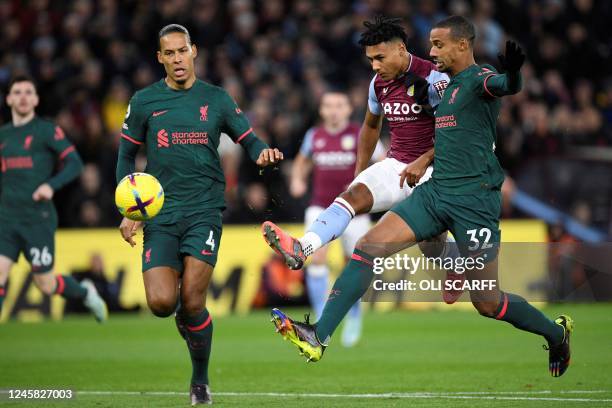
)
(192, 304)
(162, 305)
(370, 245)
(359, 197)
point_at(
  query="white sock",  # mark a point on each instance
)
(310, 243)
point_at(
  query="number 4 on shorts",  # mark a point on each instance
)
(211, 241)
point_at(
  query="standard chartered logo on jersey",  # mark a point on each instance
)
(182, 138)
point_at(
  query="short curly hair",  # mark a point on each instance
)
(382, 29)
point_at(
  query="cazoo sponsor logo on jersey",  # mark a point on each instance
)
(396, 111)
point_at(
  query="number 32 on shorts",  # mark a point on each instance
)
(477, 236)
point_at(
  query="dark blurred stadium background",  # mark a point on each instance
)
(276, 58)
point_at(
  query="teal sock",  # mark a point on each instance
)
(516, 311)
(2, 295)
(197, 331)
(348, 289)
(67, 287)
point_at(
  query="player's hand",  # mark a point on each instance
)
(413, 172)
(297, 188)
(421, 88)
(44, 192)
(128, 230)
(269, 156)
(514, 58)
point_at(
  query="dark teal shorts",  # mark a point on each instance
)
(36, 241)
(195, 235)
(473, 219)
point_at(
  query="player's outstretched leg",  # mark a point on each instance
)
(517, 311)
(329, 225)
(310, 339)
(302, 334)
(390, 235)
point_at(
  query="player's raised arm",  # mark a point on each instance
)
(510, 82)
(240, 131)
(132, 136)
(302, 166)
(72, 165)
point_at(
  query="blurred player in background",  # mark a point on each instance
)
(329, 151)
(180, 120)
(404, 90)
(30, 149)
(464, 196)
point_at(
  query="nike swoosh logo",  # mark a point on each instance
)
(158, 113)
(205, 252)
(385, 90)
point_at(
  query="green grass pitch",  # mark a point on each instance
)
(419, 359)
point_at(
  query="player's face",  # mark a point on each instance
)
(445, 50)
(335, 108)
(22, 98)
(388, 59)
(177, 56)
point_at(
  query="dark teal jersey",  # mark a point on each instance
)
(29, 155)
(465, 160)
(181, 130)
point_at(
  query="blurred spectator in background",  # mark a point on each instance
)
(90, 205)
(109, 291)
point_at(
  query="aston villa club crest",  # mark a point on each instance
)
(347, 142)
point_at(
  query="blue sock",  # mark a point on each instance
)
(330, 224)
(355, 311)
(316, 283)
